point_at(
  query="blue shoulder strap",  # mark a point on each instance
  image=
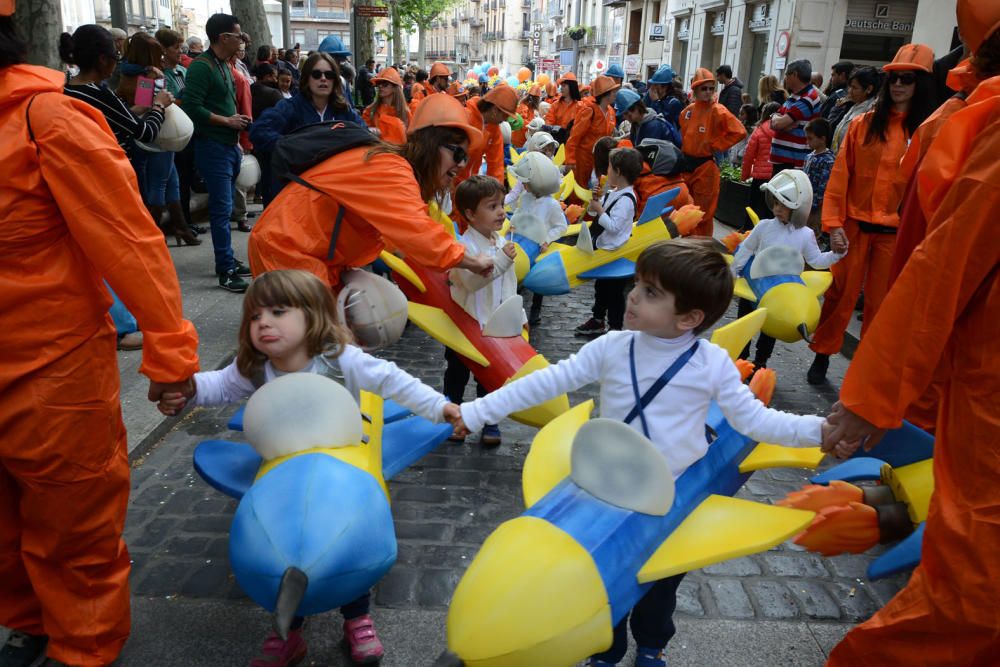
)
(661, 382)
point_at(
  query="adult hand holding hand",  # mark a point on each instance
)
(477, 264)
(157, 389)
(846, 430)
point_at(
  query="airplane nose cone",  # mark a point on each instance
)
(548, 276)
(532, 598)
(320, 515)
(790, 306)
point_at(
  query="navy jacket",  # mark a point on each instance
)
(290, 114)
(654, 126)
(669, 108)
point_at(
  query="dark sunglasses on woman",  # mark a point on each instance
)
(458, 153)
(904, 78)
(328, 74)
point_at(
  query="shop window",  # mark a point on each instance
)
(877, 49)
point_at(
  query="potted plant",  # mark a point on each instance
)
(577, 32)
(734, 196)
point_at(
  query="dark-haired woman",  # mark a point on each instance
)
(562, 112)
(862, 89)
(859, 204)
(71, 218)
(383, 191)
(485, 115)
(527, 109)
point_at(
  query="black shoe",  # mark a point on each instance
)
(817, 372)
(198, 229)
(23, 650)
(232, 282)
(242, 270)
(592, 327)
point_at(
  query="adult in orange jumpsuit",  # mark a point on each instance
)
(437, 82)
(942, 311)
(388, 113)
(859, 204)
(562, 112)
(70, 218)
(485, 115)
(592, 122)
(649, 184)
(383, 193)
(527, 109)
(707, 127)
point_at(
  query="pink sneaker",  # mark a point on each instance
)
(360, 637)
(277, 653)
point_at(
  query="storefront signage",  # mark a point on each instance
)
(657, 32)
(718, 23)
(761, 17)
(684, 29)
(632, 64)
(877, 25)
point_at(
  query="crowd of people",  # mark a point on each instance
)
(892, 169)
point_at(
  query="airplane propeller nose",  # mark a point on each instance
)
(290, 593)
(804, 332)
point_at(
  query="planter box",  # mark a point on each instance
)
(733, 200)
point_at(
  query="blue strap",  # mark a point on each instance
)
(661, 382)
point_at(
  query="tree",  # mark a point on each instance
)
(253, 21)
(39, 23)
(421, 13)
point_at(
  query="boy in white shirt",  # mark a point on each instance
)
(789, 194)
(480, 201)
(682, 287)
(613, 217)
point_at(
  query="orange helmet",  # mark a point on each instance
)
(701, 77)
(568, 76)
(551, 90)
(912, 57)
(977, 20)
(438, 69)
(602, 85)
(6, 7)
(457, 91)
(390, 75)
(503, 98)
(535, 91)
(443, 111)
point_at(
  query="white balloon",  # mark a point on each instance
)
(249, 174)
(176, 131)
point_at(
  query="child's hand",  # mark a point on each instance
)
(542, 248)
(595, 208)
(510, 250)
(453, 415)
(841, 449)
(838, 241)
(171, 403)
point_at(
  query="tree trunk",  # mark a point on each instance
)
(253, 21)
(399, 50)
(39, 23)
(365, 48)
(421, 39)
(118, 17)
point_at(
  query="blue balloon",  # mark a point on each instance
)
(512, 81)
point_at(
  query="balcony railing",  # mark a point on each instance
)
(525, 4)
(524, 35)
(476, 22)
(597, 37)
(554, 10)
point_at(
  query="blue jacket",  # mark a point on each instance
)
(291, 114)
(654, 126)
(669, 108)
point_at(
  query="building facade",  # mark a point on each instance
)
(312, 20)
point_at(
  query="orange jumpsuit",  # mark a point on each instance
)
(382, 203)
(590, 125)
(707, 128)
(70, 218)
(943, 310)
(649, 184)
(518, 137)
(562, 112)
(388, 124)
(860, 188)
(491, 148)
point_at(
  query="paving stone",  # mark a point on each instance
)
(884, 590)
(210, 523)
(165, 577)
(851, 566)
(854, 600)
(154, 495)
(398, 587)
(784, 564)
(183, 501)
(730, 598)
(688, 602)
(186, 545)
(473, 534)
(737, 567)
(435, 587)
(431, 532)
(453, 477)
(453, 556)
(420, 494)
(773, 599)
(209, 580)
(814, 600)
(154, 532)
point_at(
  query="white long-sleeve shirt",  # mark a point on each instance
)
(618, 224)
(676, 416)
(481, 295)
(360, 371)
(546, 209)
(772, 232)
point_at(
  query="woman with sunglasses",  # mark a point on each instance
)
(320, 98)
(859, 205)
(862, 86)
(388, 113)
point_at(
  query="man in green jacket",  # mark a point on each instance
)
(210, 101)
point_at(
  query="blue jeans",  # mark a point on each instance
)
(162, 185)
(218, 165)
(124, 322)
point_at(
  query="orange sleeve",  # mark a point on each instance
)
(366, 115)
(494, 152)
(727, 129)
(835, 200)
(391, 129)
(581, 127)
(94, 186)
(552, 116)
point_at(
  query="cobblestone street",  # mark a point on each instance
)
(446, 505)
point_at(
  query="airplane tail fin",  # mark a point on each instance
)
(290, 594)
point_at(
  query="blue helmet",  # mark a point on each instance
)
(624, 100)
(615, 71)
(333, 45)
(664, 75)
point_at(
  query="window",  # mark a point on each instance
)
(330, 6)
(298, 4)
(298, 37)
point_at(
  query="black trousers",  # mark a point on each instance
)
(765, 344)
(651, 620)
(184, 163)
(359, 607)
(456, 376)
(609, 299)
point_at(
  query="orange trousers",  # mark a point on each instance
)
(704, 185)
(64, 485)
(866, 267)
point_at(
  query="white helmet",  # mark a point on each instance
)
(176, 130)
(539, 140)
(249, 174)
(791, 188)
(538, 173)
(505, 131)
(536, 124)
(373, 309)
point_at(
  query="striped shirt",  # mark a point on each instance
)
(125, 124)
(789, 145)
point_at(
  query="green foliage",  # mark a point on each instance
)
(421, 12)
(731, 172)
(577, 32)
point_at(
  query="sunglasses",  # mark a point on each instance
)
(317, 75)
(458, 153)
(229, 35)
(706, 89)
(905, 78)
(384, 84)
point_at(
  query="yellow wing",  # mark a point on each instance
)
(560, 156)
(719, 529)
(735, 335)
(443, 329)
(741, 288)
(754, 218)
(766, 455)
(818, 282)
